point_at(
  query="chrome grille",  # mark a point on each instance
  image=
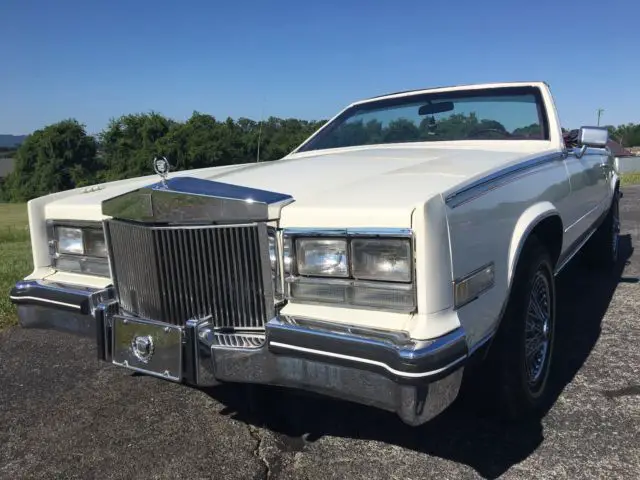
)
(173, 274)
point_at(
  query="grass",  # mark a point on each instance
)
(630, 179)
(15, 256)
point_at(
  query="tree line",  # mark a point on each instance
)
(63, 156)
(628, 135)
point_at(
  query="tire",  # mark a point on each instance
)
(601, 251)
(519, 361)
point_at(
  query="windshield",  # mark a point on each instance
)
(512, 113)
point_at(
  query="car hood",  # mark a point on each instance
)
(374, 186)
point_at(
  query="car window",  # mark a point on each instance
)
(492, 114)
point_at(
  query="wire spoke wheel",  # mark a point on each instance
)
(537, 328)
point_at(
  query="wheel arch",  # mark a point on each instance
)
(542, 220)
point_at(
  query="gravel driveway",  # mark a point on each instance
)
(65, 415)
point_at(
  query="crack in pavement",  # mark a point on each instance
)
(255, 434)
(621, 392)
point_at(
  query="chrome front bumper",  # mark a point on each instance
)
(388, 370)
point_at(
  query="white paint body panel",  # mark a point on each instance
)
(401, 186)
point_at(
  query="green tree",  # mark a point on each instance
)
(628, 135)
(58, 157)
(130, 142)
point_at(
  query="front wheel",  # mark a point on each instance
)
(520, 358)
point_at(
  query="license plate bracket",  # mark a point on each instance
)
(148, 347)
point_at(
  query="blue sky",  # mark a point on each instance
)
(94, 60)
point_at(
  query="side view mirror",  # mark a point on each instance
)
(593, 137)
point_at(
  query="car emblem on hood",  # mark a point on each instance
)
(162, 167)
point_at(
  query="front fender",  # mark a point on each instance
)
(529, 219)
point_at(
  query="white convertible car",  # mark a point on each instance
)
(412, 234)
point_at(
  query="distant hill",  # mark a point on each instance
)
(11, 140)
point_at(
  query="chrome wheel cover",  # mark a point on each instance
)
(538, 328)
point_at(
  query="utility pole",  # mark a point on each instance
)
(600, 110)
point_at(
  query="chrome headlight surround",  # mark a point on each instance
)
(275, 263)
(78, 247)
(358, 287)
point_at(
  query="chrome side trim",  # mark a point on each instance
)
(392, 351)
(582, 218)
(72, 297)
(369, 362)
(44, 300)
(498, 179)
(61, 288)
(574, 252)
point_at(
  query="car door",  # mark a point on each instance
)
(588, 180)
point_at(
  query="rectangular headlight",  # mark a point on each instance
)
(94, 243)
(70, 240)
(79, 249)
(381, 259)
(80, 241)
(322, 257)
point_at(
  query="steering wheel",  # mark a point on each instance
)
(496, 130)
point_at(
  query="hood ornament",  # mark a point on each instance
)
(162, 167)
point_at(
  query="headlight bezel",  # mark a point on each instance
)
(349, 235)
(352, 286)
(88, 261)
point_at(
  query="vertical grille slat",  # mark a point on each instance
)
(173, 274)
(233, 258)
(226, 273)
(243, 285)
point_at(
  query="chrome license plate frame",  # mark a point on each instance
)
(148, 347)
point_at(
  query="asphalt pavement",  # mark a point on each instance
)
(63, 414)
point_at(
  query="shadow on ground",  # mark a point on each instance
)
(462, 433)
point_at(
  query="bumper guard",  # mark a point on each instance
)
(417, 379)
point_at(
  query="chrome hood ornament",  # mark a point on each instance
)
(162, 167)
(190, 200)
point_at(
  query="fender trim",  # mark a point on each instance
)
(545, 210)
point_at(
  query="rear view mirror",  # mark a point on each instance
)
(431, 108)
(593, 137)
